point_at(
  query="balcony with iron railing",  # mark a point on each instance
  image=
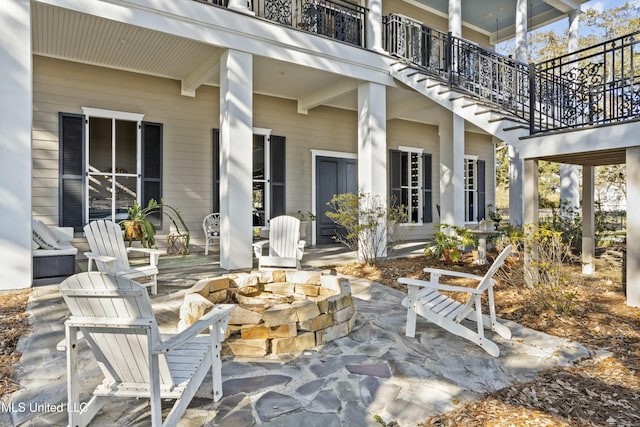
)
(341, 20)
(594, 86)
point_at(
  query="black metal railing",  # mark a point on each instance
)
(597, 85)
(341, 20)
(593, 86)
(465, 66)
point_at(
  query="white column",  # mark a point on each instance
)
(532, 195)
(372, 144)
(455, 18)
(16, 107)
(516, 187)
(633, 227)
(451, 133)
(570, 174)
(236, 164)
(240, 6)
(516, 201)
(531, 217)
(521, 31)
(570, 184)
(588, 221)
(374, 26)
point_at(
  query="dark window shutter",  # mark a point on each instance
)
(215, 169)
(71, 169)
(395, 176)
(152, 166)
(427, 188)
(278, 175)
(481, 166)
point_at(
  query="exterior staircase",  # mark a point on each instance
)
(483, 114)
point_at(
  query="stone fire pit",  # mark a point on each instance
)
(278, 312)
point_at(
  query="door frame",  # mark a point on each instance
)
(322, 153)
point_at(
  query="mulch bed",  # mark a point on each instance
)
(603, 390)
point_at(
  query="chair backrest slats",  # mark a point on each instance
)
(122, 351)
(284, 235)
(105, 238)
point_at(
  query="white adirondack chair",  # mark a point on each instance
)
(211, 226)
(110, 254)
(285, 247)
(424, 299)
(114, 316)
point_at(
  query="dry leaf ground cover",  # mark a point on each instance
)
(603, 390)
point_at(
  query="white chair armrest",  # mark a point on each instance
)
(300, 248)
(440, 272)
(424, 284)
(258, 247)
(218, 313)
(154, 254)
(95, 257)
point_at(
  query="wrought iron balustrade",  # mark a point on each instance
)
(463, 65)
(592, 86)
(596, 85)
(340, 20)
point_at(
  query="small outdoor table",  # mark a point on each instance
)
(482, 245)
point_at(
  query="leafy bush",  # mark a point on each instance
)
(367, 222)
(449, 242)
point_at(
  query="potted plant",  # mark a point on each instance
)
(138, 226)
(494, 216)
(305, 218)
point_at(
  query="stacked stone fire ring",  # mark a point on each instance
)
(277, 312)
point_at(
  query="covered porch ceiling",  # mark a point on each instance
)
(73, 36)
(496, 18)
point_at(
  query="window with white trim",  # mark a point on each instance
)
(474, 189)
(410, 171)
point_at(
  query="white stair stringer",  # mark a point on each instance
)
(489, 118)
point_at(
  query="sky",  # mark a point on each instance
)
(599, 5)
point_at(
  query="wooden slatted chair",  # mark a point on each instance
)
(111, 255)
(424, 299)
(114, 316)
(285, 247)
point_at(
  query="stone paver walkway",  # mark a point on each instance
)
(375, 371)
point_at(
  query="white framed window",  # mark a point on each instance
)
(113, 163)
(410, 170)
(474, 189)
(261, 193)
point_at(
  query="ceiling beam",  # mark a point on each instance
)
(201, 74)
(325, 95)
(564, 6)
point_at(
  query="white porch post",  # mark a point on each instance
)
(570, 174)
(16, 107)
(236, 145)
(516, 166)
(588, 221)
(531, 214)
(451, 133)
(633, 227)
(372, 144)
(240, 6)
(374, 26)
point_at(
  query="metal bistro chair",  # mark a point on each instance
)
(211, 226)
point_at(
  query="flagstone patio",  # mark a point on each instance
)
(375, 370)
